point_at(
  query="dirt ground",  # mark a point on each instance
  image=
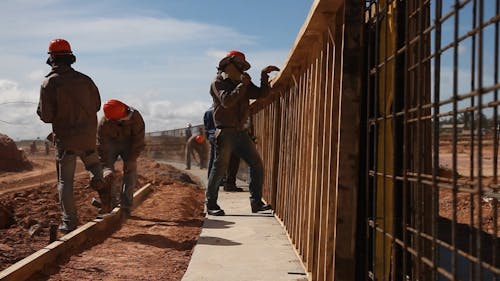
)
(156, 243)
(39, 206)
(43, 173)
(466, 202)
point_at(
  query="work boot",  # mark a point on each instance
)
(66, 228)
(214, 209)
(125, 213)
(103, 188)
(259, 206)
(232, 188)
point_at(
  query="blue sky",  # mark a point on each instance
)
(158, 56)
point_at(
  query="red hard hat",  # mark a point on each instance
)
(237, 57)
(199, 139)
(59, 47)
(115, 109)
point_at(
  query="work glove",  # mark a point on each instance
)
(270, 68)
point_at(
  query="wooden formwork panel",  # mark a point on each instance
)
(301, 131)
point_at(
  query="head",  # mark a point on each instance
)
(60, 53)
(234, 64)
(115, 110)
(199, 139)
(188, 125)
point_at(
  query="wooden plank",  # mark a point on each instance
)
(348, 152)
(335, 36)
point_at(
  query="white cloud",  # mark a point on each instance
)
(18, 107)
(163, 66)
(37, 75)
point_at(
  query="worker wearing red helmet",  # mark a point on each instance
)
(121, 134)
(231, 91)
(70, 100)
(197, 143)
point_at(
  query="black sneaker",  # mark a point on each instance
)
(260, 207)
(215, 210)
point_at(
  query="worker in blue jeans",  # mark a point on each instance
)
(231, 91)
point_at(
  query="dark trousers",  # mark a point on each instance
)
(241, 144)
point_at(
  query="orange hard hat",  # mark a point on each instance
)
(236, 57)
(59, 47)
(115, 109)
(199, 139)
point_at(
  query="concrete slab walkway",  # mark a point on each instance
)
(241, 246)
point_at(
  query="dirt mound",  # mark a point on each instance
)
(12, 159)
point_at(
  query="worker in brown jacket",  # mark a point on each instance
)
(197, 143)
(70, 100)
(121, 134)
(231, 91)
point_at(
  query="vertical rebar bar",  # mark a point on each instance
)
(479, 196)
(495, 144)
(435, 174)
(454, 144)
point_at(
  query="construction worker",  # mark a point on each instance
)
(47, 147)
(208, 122)
(229, 181)
(198, 143)
(33, 148)
(231, 90)
(187, 132)
(121, 134)
(70, 101)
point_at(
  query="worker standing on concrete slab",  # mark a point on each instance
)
(197, 143)
(209, 123)
(70, 101)
(231, 90)
(121, 134)
(234, 163)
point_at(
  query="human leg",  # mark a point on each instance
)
(224, 146)
(66, 164)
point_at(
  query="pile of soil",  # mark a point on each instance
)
(12, 159)
(39, 208)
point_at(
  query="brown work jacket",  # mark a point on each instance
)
(231, 100)
(128, 131)
(70, 101)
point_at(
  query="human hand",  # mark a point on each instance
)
(270, 68)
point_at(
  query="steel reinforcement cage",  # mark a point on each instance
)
(380, 141)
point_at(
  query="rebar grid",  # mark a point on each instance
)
(432, 139)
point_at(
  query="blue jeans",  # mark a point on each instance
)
(211, 159)
(66, 165)
(122, 149)
(241, 144)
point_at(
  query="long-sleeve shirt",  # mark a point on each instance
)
(231, 100)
